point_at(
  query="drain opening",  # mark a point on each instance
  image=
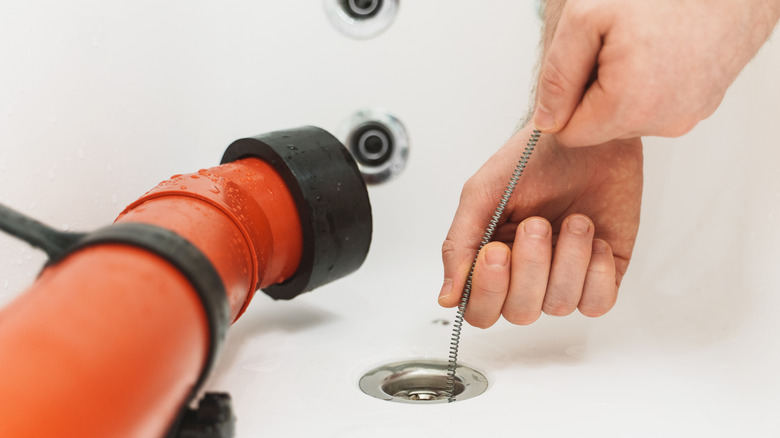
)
(361, 19)
(361, 9)
(421, 381)
(379, 143)
(371, 144)
(420, 385)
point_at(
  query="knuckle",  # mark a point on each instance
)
(523, 317)
(601, 269)
(552, 81)
(594, 310)
(557, 308)
(534, 262)
(634, 109)
(487, 290)
(599, 303)
(683, 127)
(637, 119)
(448, 247)
(575, 254)
(711, 105)
(478, 321)
(472, 187)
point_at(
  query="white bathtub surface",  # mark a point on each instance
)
(101, 100)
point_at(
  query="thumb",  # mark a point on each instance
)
(463, 240)
(566, 69)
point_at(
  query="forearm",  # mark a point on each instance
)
(763, 18)
(552, 15)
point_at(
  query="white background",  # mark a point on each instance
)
(101, 100)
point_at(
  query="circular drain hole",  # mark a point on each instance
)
(379, 143)
(361, 9)
(421, 381)
(361, 19)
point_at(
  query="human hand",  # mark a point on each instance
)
(617, 69)
(564, 241)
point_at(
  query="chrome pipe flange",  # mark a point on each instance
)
(422, 381)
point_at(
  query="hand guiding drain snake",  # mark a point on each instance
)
(486, 238)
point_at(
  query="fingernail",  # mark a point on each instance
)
(599, 246)
(543, 120)
(446, 290)
(578, 225)
(496, 256)
(536, 228)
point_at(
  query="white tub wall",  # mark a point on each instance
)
(99, 102)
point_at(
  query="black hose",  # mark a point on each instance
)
(53, 242)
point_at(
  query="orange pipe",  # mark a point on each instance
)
(113, 337)
(120, 366)
(240, 214)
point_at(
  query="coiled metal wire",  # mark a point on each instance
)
(486, 238)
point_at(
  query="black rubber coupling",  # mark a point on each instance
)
(184, 256)
(331, 197)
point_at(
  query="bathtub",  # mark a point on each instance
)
(100, 102)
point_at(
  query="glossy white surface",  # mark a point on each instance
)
(101, 100)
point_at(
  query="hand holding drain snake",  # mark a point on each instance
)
(564, 240)
(611, 69)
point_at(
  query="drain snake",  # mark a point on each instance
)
(486, 238)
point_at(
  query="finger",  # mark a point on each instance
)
(457, 262)
(567, 67)
(600, 291)
(593, 122)
(489, 285)
(530, 269)
(602, 116)
(463, 239)
(569, 266)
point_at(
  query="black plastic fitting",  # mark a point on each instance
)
(331, 197)
(213, 418)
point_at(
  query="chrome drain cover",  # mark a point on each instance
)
(422, 381)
